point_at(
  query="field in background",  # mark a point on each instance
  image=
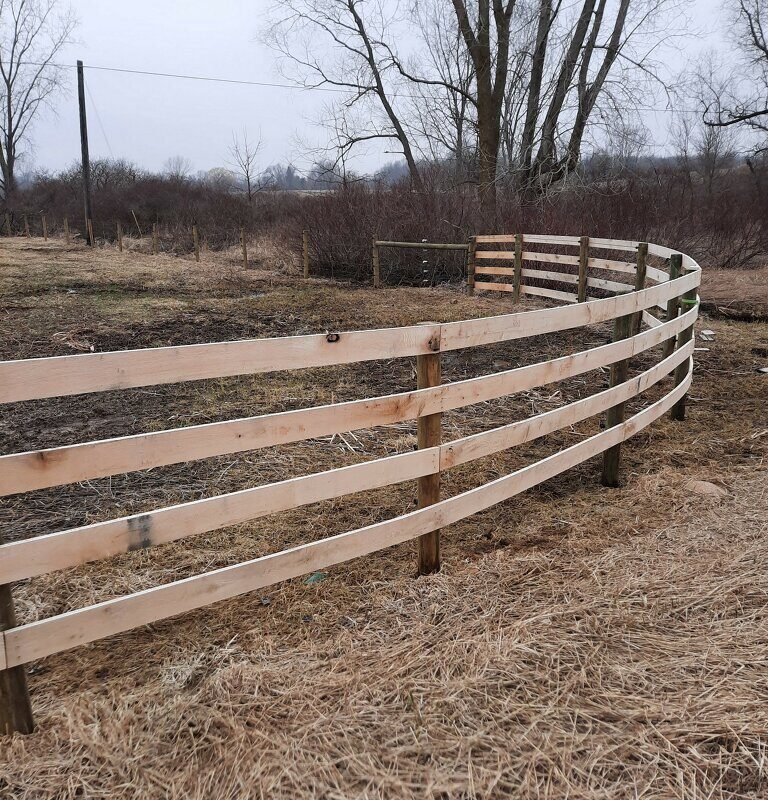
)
(580, 641)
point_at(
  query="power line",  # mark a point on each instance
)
(276, 85)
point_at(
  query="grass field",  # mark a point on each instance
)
(580, 642)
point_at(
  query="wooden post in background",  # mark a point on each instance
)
(675, 263)
(26, 227)
(686, 302)
(622, 328)
(583, 264)
(196, 243)
(428, 374)
(7, 224)
(471, 265)
(119, 237)
(66, 230)
(245, 249)
(45, 227)
(517, 277)
(305, 251)
(15, 708)
(640, 274)
(154, 238)
(376, 266)
(91, 240)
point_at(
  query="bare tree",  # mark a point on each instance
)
(747, 104)
(343, 44)
(32, 33)
(177, 168)
(244, 154)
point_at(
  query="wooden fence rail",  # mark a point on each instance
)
(33, 379)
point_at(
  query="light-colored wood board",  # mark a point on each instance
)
(71, 629)
(614, 244)
(613, 266)
(39, 469)
(494, 287)
(494, 271)
(487, 255)
(496, 440)
(553, 294)
(548, 275)
(69, 548)
(609, 286)
(36, 378)
(551, 258)
(490, 330)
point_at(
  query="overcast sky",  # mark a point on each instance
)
(148, 119)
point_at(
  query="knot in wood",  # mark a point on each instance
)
(333, 337)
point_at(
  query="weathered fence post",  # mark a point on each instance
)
(376, 265)
(196, 242)
(7, 224)
(640, 274)
(686, 302)
(66, 230)
(305, 251)
(428, 374)
(471, 264)
(583, 264)
(154, 238)
(45, 227)
(119, 237)
(15, 708)
(675, 264)
(517, 275)
(26, 227)
(244, 247)
(622, 329)
(89, 232)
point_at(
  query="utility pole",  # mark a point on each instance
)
(84, 149)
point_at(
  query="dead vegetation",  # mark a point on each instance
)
(580, 642)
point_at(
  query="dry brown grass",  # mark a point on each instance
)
(580, 642)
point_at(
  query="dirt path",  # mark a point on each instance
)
(580, 642)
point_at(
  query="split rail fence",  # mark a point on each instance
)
(673, 289)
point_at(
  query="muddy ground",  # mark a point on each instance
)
(579, 641)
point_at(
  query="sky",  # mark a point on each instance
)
(149, 119)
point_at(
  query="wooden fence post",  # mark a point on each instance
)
(66, 230)
(15, 708)
(471, 265)
(622, 329)
(517, 277)
(196, 242)
(45, 227)
(119, 237)
(7, 224)
(675, 264)
(154, 238)
(686, 302)
(583, 264)
(640, 274)
(245, 249)
(428, 374)
(376, 265)
(89, 226)
(26, 227)
(305, 251)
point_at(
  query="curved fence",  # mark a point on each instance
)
(670, 285)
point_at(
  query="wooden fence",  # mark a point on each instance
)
(674, 290)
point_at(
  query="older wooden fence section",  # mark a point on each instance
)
(68, 375)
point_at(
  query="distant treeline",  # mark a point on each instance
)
(716, 210)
